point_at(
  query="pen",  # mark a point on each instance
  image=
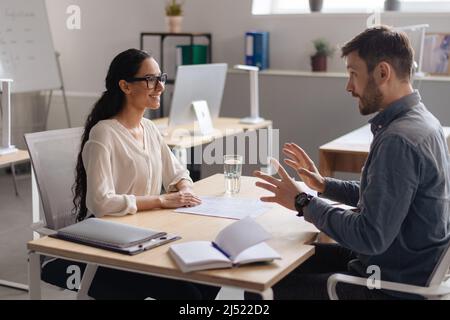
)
(220, 249)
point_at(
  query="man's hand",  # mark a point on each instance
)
(284, 190)
(304, 166)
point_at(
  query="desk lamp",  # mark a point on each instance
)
(6, 146)
(254, 95)
(416, 35)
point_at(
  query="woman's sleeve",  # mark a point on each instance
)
(101, 198)
(173, 171)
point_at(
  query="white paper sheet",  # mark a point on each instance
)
(228, 207)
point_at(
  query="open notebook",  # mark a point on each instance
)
(241, 242)
(114, 236)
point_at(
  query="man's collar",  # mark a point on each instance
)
(393, 110)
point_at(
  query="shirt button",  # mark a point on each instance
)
(379, 127)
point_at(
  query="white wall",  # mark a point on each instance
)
(109, 26)
(309, 111)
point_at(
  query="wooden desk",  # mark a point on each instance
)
(181, 136)
(16, 157)
(291, 238)
(349, 152)
(10, 160)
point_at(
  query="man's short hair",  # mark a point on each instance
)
(382, 43)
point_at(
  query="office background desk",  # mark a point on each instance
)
(349, 152)
(223, 127)
(10, 160)
(18, 157)
(180, 138)
(291, 238)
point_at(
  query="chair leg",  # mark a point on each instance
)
(13, 171)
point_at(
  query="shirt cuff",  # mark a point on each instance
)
(172, 187)
(131, 204)
(314, 210)
(332, 186)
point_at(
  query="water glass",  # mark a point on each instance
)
(232, 171)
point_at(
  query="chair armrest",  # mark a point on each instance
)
(439, 291)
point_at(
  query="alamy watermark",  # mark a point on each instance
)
(256, 147)
(374, 280)
(374, 19)
(73, 22)
(74, 279)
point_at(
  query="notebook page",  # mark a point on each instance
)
(241, 235)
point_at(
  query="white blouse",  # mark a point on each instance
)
(118, 169)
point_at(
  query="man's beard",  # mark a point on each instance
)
(371, 99)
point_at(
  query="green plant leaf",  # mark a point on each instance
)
(323, 47)
(174, 8)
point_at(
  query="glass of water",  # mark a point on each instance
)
(232, 171)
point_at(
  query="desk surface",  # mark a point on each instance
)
(358, 141)
(180, 136)
(290, 237)
(20, 155)
(348, 153)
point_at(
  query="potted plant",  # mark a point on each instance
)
(323, 51)
(391, 5)
(174, 15)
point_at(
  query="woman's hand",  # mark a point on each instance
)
(185, 186)
(186, 189)
(179, 199)
(304, 166)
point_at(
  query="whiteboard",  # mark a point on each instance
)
(27, 54)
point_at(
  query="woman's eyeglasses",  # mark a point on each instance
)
(152, 80)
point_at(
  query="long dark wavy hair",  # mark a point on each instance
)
(124, 66)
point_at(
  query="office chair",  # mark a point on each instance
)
(437, 288)
(53, 157)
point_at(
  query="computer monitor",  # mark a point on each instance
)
(193, 83)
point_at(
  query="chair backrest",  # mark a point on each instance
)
(441, 269)
(53, 156)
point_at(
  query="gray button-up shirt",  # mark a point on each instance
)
(403, 199)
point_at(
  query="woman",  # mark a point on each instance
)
(124, 159)
(121, 166)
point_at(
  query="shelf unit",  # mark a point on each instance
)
(162, 37)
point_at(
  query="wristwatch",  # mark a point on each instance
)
(301, 201)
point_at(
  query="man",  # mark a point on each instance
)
(401, 224)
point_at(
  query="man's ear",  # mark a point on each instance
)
(124, 86)
(383, 72)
